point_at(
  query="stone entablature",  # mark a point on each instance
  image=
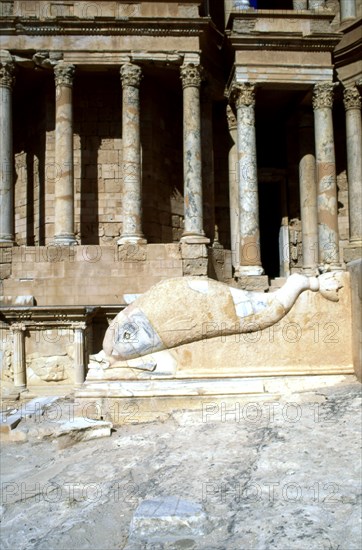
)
(84, 9)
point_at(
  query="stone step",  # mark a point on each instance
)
(276, 283)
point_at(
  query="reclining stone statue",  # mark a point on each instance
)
(187, 309)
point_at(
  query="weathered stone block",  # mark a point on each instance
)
(195, 266)
(192, 251)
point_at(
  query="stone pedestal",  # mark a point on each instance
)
(64, 161)
(6, 153)
(233, 190)
(250, 260)
(193, 223)
(19, 364)
(131, 76)
(79, 353)
(308, 194)
(352, 103)
(326, 176)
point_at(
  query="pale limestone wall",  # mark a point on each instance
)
(89, 275)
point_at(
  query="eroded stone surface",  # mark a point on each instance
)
(269, 474)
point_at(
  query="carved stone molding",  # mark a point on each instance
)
(191, 75)
(7, 78)
(323, 95)
(131, 75)
(18, 327)
(243, 94)
(64, 74)
(79, 325)
(351, 98)
(231, 118)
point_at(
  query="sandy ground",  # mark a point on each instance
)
(269, 475)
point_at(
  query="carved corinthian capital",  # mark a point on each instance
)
(131, 75)
(323, 95)
(64, 73)
(351, 98)
(191, 75)
(244, 94)
(231, 118)
(7, 78)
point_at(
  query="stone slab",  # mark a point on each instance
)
(36, 406)
(81, 429)
(169, 518)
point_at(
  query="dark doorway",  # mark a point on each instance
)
(270, 220)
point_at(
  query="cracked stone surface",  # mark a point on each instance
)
(265, 474)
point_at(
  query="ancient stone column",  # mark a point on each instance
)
(207, 144)
(131, 76)
(6, 153)
(193, 223)
(308, 194)
(352, 103)
(250, 260)
(64, 181)
(347, 9)
(19, 364)
(79, 353)
(327, 206)
(233, 190)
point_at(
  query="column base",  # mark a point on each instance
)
(325, 268)
(248, 270)
(64, 240)
(310, 271)
(132, 239)
(7, 239)
(194, 239)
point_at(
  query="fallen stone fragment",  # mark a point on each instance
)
(38, 405)
(81, 429)
(8, 423)
(167, 519)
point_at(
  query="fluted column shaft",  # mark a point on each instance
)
(19, 364)
(233, 190)
(352, 103)
(308, 194)
(250, 259)
(328, 235)
(191, 80)
(6, 154)
(64, 157)
(131, 76)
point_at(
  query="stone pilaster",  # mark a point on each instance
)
(233, 190)
(193, 223)
(19, 364)
(352, 103)
(327, 206)
(64, 158)
(308, 194)
(79, 353)
(250, 260)
(7, 69)
(131, 76)
(347, 9)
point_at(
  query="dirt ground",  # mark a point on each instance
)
(268, 474)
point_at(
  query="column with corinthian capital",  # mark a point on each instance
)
(64, 157)
(327, 206)
(131, 76)
(250, 259)
(6, 153)
(352, 103)
(193, 223)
